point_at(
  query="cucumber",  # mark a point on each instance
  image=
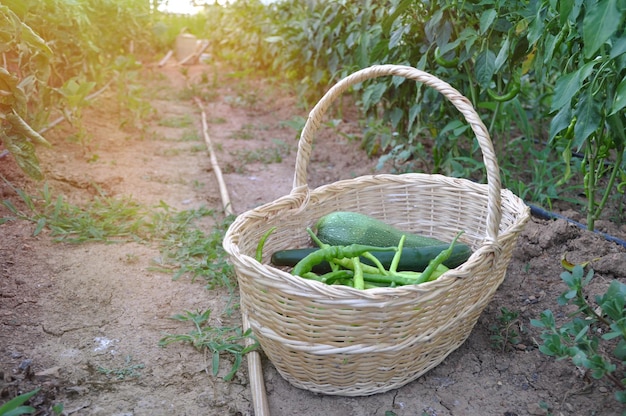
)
(412, 259)
(343, 228)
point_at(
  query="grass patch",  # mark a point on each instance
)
(214, 341)
(186, 249)
(176, 121)
(265, 155)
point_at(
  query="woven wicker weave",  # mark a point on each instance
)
(341, 341)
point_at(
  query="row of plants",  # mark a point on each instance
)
(546, 75)
(58, 55)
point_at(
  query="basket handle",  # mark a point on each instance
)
(494, 212)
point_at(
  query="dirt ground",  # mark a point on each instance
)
(67, 311)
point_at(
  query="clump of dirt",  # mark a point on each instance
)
(83, 321)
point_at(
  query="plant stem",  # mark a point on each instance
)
(609, 186)
(590, 185)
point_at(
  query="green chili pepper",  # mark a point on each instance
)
(320, 244)
(337, 276)
(332, 253)
(512, 90)
(391, 280)
(436, 262)
(313, 276)
(359, 283)
(396, 258)
(259, 248)
(452, 63)
(366, 268)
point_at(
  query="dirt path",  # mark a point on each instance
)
(84, 321)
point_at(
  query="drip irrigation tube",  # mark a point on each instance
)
(255, 369)
(546, 215)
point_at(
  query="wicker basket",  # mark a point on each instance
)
(338, 340)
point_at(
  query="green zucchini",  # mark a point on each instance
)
(343, 228)
(412, 259)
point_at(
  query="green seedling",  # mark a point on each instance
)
(128, 371)
(507, 331)
(595, 336)
(15, 406)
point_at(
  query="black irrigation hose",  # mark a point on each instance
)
(546, 215)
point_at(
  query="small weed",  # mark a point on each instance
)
(245, 133)
(246, 100)
(215, 341)
(217, 120)
(104, 219)
(507, 331)
(185, 249)
(176, 121)
(265, 155)
(170, 152)
(131, 258)
(190, 136)
(198, 185)
(595, 337)
(296, 123)
(128, 371)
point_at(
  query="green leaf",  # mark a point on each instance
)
(24, 153)
(620, 97)
(485, 68)
(565, 8)
(620, 350)
(396, 36)
(373, 93)
(587, 119)
(40, 226)
(216, 362)
(569, 85)
(599, 24)
(22, 410)
(502, 55)
(15, 403)
(619, 47)
(538, 323)
(561, 121)
(546, 350)
(487, 19)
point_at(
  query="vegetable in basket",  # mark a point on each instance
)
(362, 276)
(414, 259)
(345, 227)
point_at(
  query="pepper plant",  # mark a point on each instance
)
(583, 45)
(23, 90)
